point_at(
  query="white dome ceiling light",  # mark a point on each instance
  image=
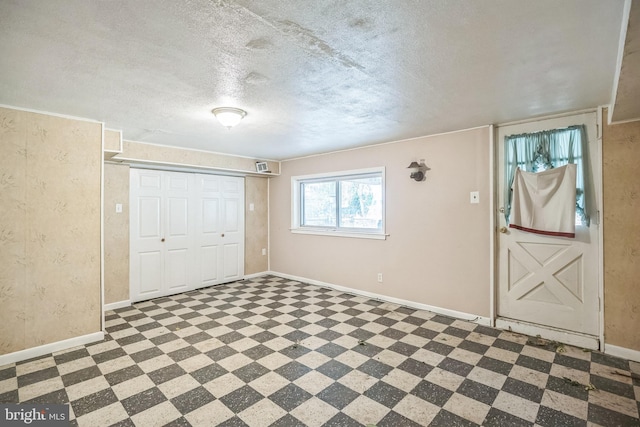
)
(229, 116)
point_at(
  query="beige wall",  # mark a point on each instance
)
(116, 233)
(256, 235)
(50, 233)
(158, 153)
(438, 249)
(621, 197)
(116, 227)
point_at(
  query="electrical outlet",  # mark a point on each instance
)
(379, 277)
(251, 206)
(474, 197)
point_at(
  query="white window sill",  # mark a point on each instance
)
(336, 233)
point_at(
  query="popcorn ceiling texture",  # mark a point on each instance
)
(315, 78)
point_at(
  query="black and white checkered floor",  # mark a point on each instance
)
(274, 352)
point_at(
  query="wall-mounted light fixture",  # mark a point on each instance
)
(228, 116)
(418, 170)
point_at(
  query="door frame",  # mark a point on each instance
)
(188, 170)
(523, 327)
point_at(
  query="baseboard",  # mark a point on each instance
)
(481, 320)
(115, 305)
(549, 333)
(29, 353)
(625, 353)
(254, 275)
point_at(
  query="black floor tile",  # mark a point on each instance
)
(61, 358)
(533, 363)
(385, 394)
(495, 365)
(563, 386)
(548, 417)
(79, 376)
(331, 350)
(374, 368)
(394, 419)
(572, 362)
(290, 397)
(615, 387)
(432, 393)
(288, 421)
(93, 402)
(41, 375)
(337, 395)
(478, 391)
(123, 375)
(498, 418)
(437, 347)
(416, 367)
(220, 353)
(607, 417)
(342, 420)
(293, 370)
(192, 400)
(523, 389)
(449, 419)
(455, 366)
(165, 374)
(334, 369)
(250, 372)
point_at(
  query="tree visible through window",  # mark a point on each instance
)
(350, 202)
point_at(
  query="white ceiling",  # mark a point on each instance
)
(314, 76)
(626, 99)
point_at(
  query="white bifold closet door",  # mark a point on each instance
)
(187, 231)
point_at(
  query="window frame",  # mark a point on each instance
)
(297, 208)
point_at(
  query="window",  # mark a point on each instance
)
(345, 204)
(540, 151)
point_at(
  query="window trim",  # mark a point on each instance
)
(333, 231)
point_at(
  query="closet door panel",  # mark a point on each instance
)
(187, 231)
(150, 273)
(209, 265)
(230, 261)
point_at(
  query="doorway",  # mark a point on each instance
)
(187, 231)
(549, 285)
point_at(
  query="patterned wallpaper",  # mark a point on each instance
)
(158, 153)
(256, 227)
(50, 229)
(621, 222)
(116, 233)
(116, 226)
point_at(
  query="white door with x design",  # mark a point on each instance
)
(546, 283)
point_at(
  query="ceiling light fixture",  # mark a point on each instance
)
(229, 116)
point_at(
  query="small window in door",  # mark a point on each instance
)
(540, 151)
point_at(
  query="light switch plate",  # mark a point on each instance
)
(251, 206)
(118, 207)
(474, 197)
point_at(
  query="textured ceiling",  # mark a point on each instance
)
(314, 76)
(626, 105)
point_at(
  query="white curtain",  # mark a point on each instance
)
(539, 151)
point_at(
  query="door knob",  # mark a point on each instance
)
(222, 235)
(162, 240)
(503, 229)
